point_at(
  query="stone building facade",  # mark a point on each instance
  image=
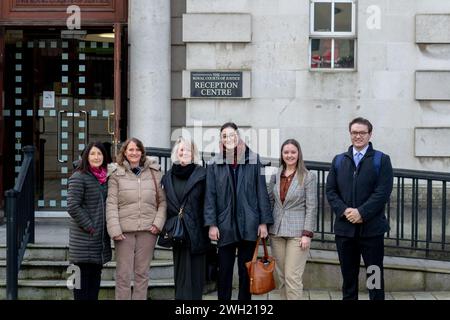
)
(278, 68)
(399, 76)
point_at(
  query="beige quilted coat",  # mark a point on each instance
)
(131, 203)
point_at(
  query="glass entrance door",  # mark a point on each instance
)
(59, 96)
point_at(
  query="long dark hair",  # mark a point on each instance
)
(236, 153)
(301, 169)
(83, 166)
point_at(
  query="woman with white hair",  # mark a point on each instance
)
(184, 184)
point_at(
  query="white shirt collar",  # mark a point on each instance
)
(363, 151)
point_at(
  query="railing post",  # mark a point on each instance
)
(12, 268)
(29, 152)
(444, 213)
(429, 226)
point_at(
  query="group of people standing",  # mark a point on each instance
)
(229, 203)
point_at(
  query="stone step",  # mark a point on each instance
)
(49, 252)
(401, 274)
(57, 290)
(322, 270)
(57, 270)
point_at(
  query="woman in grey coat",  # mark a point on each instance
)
(237, 209)
(89, 243)
(293, 194)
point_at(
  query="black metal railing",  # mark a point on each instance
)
(417, 210)
(417, 213)
(19, 210)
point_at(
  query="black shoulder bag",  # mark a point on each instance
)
(174, 230)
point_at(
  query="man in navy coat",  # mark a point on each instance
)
(359, 185)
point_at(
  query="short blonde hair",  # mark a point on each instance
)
(186, 142)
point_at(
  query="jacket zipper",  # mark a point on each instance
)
(139, 202)
(103, 222)
(354, 188)
(355, 175)
(103, 226)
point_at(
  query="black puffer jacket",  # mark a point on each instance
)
(237, 213)
(194, 193)
(86, 206)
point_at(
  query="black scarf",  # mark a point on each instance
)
(183, 172)
(136, 170)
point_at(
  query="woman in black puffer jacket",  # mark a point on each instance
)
(89, 242)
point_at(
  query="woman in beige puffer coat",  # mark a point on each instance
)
(135, 215)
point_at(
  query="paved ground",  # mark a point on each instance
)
(334, 295)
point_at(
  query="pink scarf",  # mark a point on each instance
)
(100, 173)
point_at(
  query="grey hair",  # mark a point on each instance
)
(194, 150)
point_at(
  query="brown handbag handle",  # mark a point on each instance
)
(255, 254)
(156, 189)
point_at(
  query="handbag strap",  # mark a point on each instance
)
(156, 189)
(255, 254)
(180, 212)
(266, 254)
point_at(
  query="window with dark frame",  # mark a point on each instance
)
(332, 35)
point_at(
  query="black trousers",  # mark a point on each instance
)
(189, 273)
(227, 256)
(91, 275)
(350, 251)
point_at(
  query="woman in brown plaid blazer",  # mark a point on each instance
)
(293, 195)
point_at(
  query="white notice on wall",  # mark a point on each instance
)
(48, 99)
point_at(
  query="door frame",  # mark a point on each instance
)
(45, 13)
(2, 122)
(120, 89)
(118, 31)
(113, 13)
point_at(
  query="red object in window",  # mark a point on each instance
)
(316, 61)
(327, 53)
